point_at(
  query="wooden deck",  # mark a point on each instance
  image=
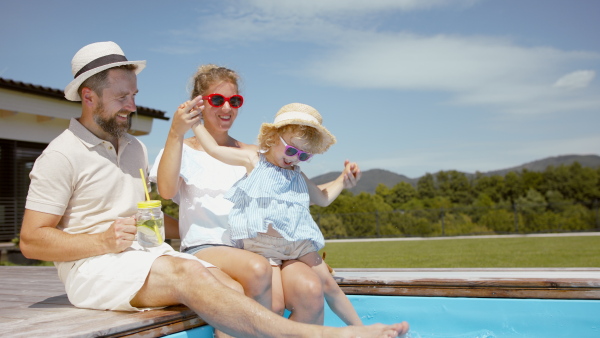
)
(33, 302)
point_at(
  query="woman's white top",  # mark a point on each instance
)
(203, 212)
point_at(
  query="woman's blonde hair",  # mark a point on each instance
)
(269, 136)
(208, 75)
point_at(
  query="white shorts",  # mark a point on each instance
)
(109, 282)
(278, 249)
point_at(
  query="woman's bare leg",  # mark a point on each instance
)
(252, 271)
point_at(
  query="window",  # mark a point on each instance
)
(16, 162)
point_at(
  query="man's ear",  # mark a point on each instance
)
(87, 96)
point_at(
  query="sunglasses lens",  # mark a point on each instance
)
(289, 151)
(303, 157)
(217, 100)
(236, 101)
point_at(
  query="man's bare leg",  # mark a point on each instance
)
(230, 283)
(180, 281)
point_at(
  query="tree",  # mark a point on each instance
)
(498, 220)
(582, 184)
(492, 186)
(512, 187)
(455, 186)
(398, 195)
(532, 180)
(426, 187)
(557, 179)
(332, 226)
(168, 206)
(359, 214)
(531, 206)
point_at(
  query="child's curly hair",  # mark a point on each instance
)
(269, 136)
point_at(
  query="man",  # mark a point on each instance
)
(84, 189)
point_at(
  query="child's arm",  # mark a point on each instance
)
(167, 179)
(246, 157)
(351, 175)
(324, 194)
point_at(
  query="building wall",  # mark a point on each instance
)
(34, 118)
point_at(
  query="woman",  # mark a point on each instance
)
(197, 182)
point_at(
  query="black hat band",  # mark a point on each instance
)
(101, 61)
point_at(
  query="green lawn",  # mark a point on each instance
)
(579, 251)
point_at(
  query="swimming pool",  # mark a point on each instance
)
(458, 317)
(472, 302)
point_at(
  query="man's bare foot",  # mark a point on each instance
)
(370, 331)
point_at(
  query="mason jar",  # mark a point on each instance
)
(150, 224)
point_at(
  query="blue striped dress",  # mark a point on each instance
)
(272, 195)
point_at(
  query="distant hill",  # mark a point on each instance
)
(592, 161)
(371, 178)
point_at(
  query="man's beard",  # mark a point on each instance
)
(110, 125)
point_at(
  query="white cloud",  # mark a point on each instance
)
(481, 71)
(475, 70)
(409, 61)
(576, 80)
(315, 21)
(344, 7)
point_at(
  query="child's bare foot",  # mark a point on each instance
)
(370, 331)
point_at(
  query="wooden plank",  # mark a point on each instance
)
(33, 303)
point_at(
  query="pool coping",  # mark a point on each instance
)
(544, 283)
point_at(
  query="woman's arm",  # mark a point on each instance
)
(169, 166)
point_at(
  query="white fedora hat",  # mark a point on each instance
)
(94, 58)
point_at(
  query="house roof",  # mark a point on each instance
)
(60, 95)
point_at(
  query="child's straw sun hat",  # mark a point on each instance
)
(301, 114)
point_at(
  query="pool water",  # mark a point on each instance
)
(469, 317)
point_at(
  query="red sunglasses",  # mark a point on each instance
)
(218, 100)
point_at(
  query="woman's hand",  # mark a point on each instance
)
(187, 114)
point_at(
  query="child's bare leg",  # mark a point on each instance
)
(303, 291)
(336, 298)
(277, 289)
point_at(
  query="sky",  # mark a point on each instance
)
(410, 86)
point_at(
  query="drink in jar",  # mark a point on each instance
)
(150, 224)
